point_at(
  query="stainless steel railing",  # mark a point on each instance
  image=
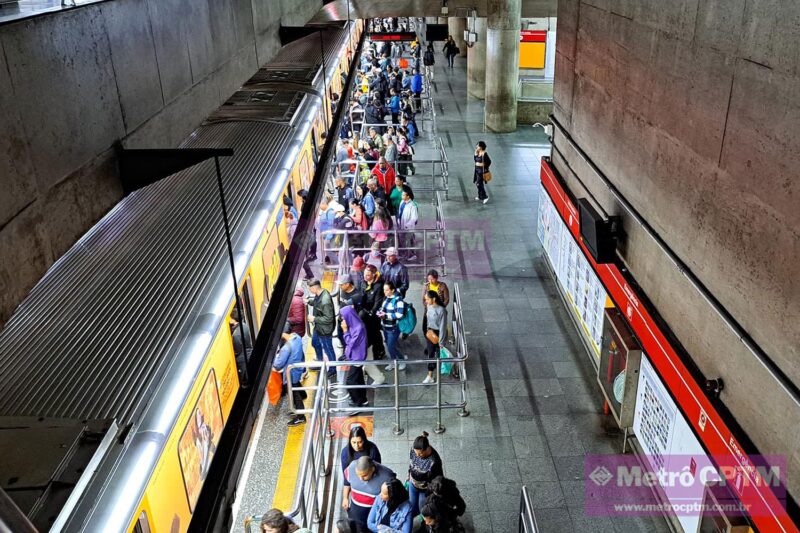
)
(460, 356)
(535, 90)
(430, 175)
(527, 518)
(315, 462)
(407, 242)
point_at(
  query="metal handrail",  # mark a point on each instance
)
(344, 251)
(314, 462)
(527, 518)
(534, 81)
(459, 358)
(439, 179)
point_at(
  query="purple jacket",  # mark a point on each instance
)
(355, 338)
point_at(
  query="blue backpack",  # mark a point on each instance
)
(408, 321)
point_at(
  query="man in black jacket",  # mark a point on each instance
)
(324, 320)
(372, 301)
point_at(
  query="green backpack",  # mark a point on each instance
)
(408, 321)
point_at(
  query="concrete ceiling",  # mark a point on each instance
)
(337, 10)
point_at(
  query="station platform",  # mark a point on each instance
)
(535, 409)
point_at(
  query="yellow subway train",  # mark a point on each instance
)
(118, 372)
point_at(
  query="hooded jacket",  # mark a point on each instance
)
(297, 313)
(355, 338)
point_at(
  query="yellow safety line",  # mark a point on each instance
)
(292, 451)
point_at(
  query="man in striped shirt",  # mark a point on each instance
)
(363, 479)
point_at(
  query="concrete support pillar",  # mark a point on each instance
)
(456, 27)
(502, 64)
(476, 62)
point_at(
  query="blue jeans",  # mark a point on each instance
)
(392, 336)
(322, 343)
(416, 497)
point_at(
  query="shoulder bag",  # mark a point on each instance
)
(487, 174)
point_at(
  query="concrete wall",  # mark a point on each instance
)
(690, 108)
(145, 72)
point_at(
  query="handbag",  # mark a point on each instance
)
(432, 337)
(446, 368)
(275, 387)
(487, 176)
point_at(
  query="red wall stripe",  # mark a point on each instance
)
(767, 511)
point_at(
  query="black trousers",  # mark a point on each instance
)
(431, 350)
(298, 396)
(481, 187)
(355, 376)
(374, 338)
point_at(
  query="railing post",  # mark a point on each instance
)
(439, 429)
(398, 430)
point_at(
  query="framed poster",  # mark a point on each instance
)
(199, 440)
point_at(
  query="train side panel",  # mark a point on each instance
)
(176, 482)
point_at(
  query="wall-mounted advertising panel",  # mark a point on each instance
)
(574, 274)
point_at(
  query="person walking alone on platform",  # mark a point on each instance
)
(482, 174)
(450, 50)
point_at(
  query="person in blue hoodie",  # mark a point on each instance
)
(292, 353)
(394, 107)
(416, 88)
(391, 511)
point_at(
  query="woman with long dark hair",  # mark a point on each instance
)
(391, 512)
(359, 445)
(424, 466)
(435, 330)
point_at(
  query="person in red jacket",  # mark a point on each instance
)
(384, 172)
(297, 313)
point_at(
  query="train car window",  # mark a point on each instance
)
(142, 525)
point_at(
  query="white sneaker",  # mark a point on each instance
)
(401, 366)
(428, 379)
(486, 200)
(390, 367)
(478, 198)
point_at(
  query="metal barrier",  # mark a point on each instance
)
(437, 180)
(340, 251)
(315, 462)
(459, 357)
(535, 90)
(405, 241)
(527, 518)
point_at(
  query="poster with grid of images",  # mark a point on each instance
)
(654, 417)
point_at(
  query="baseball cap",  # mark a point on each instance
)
(358, 263)
(391, 251)
(345, 279)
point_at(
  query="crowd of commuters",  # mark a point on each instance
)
(376, 500)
